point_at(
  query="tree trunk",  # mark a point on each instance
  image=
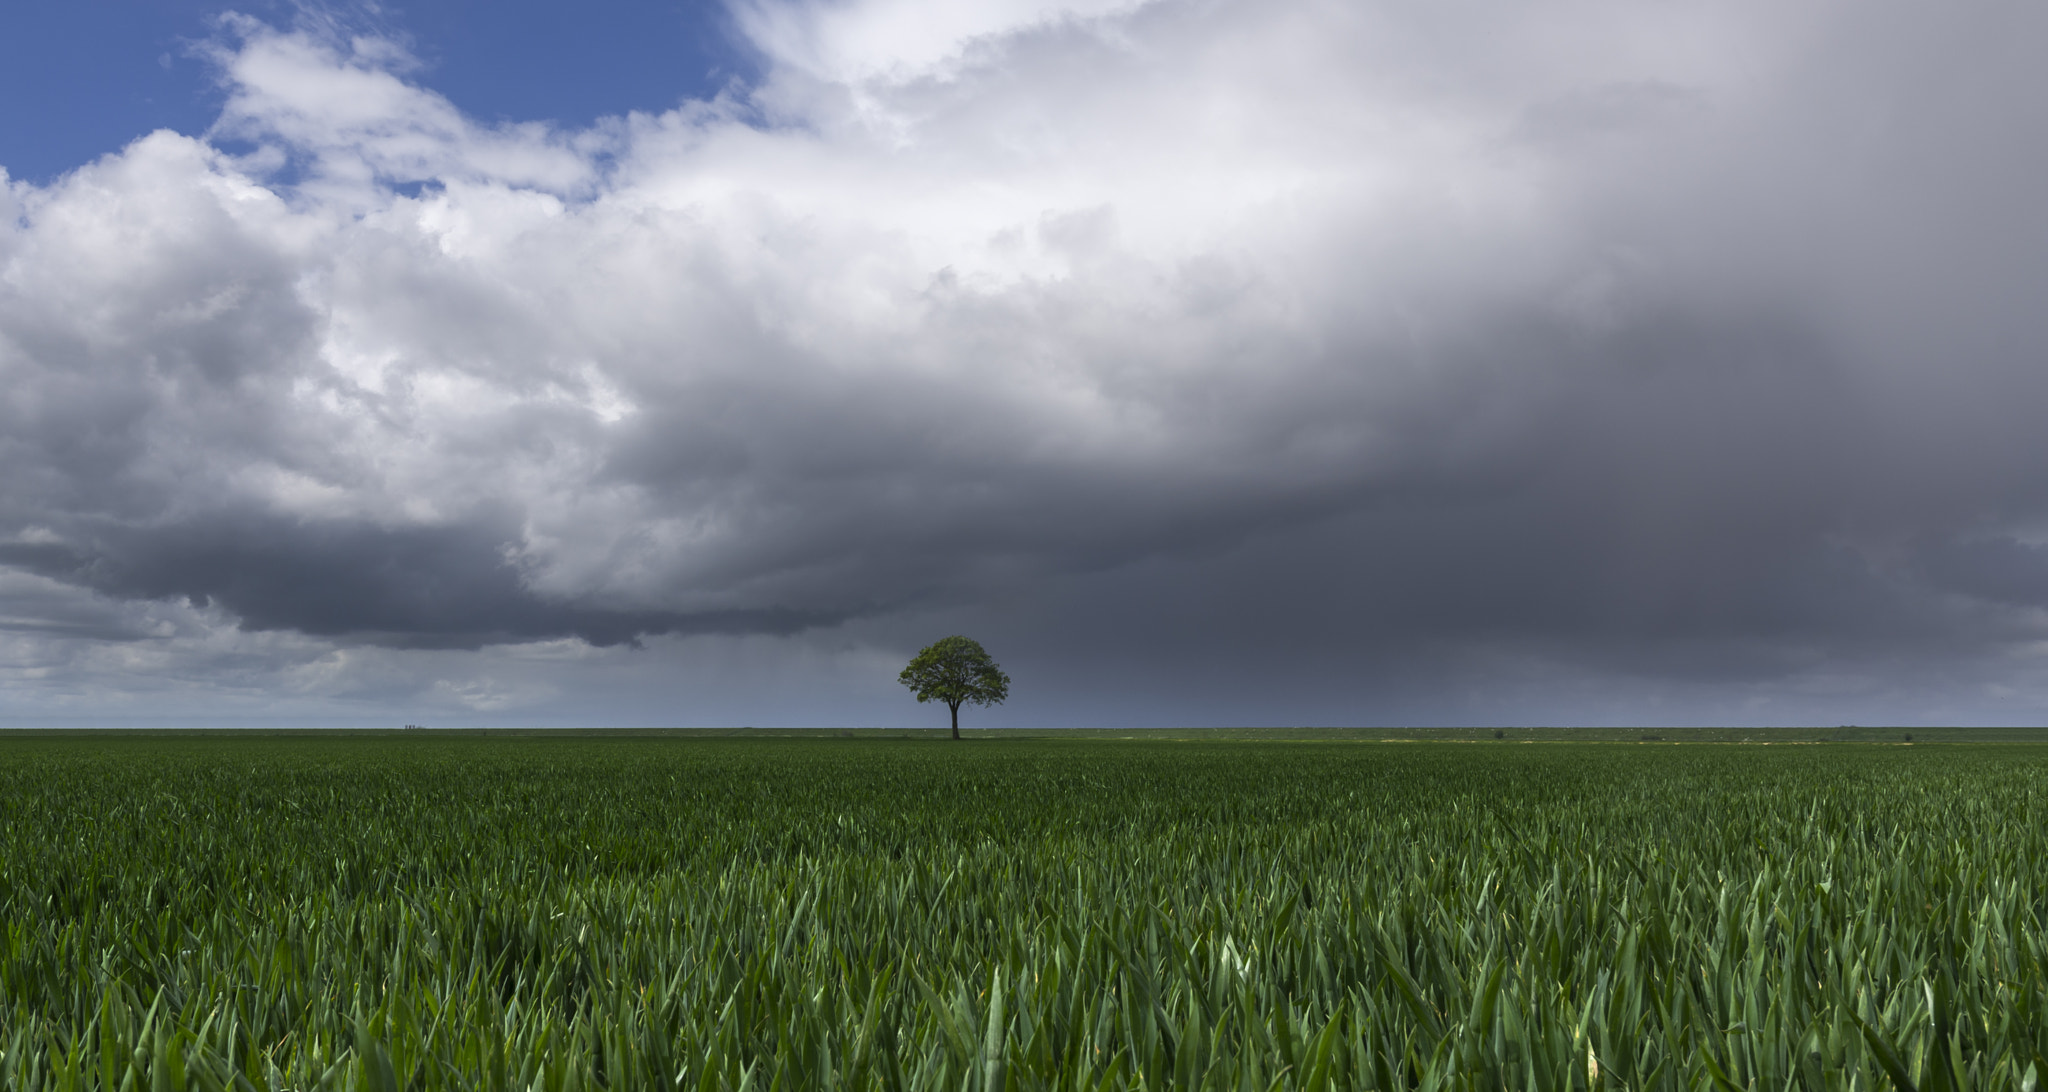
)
(956, 721)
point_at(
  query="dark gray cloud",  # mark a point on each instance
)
(1999, 570)
(1218, 356)
(409, 587)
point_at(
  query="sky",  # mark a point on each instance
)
(1212, 362)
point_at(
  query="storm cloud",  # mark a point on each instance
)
(1331, 360)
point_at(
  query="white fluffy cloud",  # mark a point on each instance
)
(1668, 342)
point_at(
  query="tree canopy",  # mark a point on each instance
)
(956, 671)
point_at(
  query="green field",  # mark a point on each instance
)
(439, 911)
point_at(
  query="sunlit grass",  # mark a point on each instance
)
(451, 913)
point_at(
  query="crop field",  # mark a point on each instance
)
(580, 913)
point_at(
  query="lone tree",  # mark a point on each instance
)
(957, 671)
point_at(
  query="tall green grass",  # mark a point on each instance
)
(702, 914)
